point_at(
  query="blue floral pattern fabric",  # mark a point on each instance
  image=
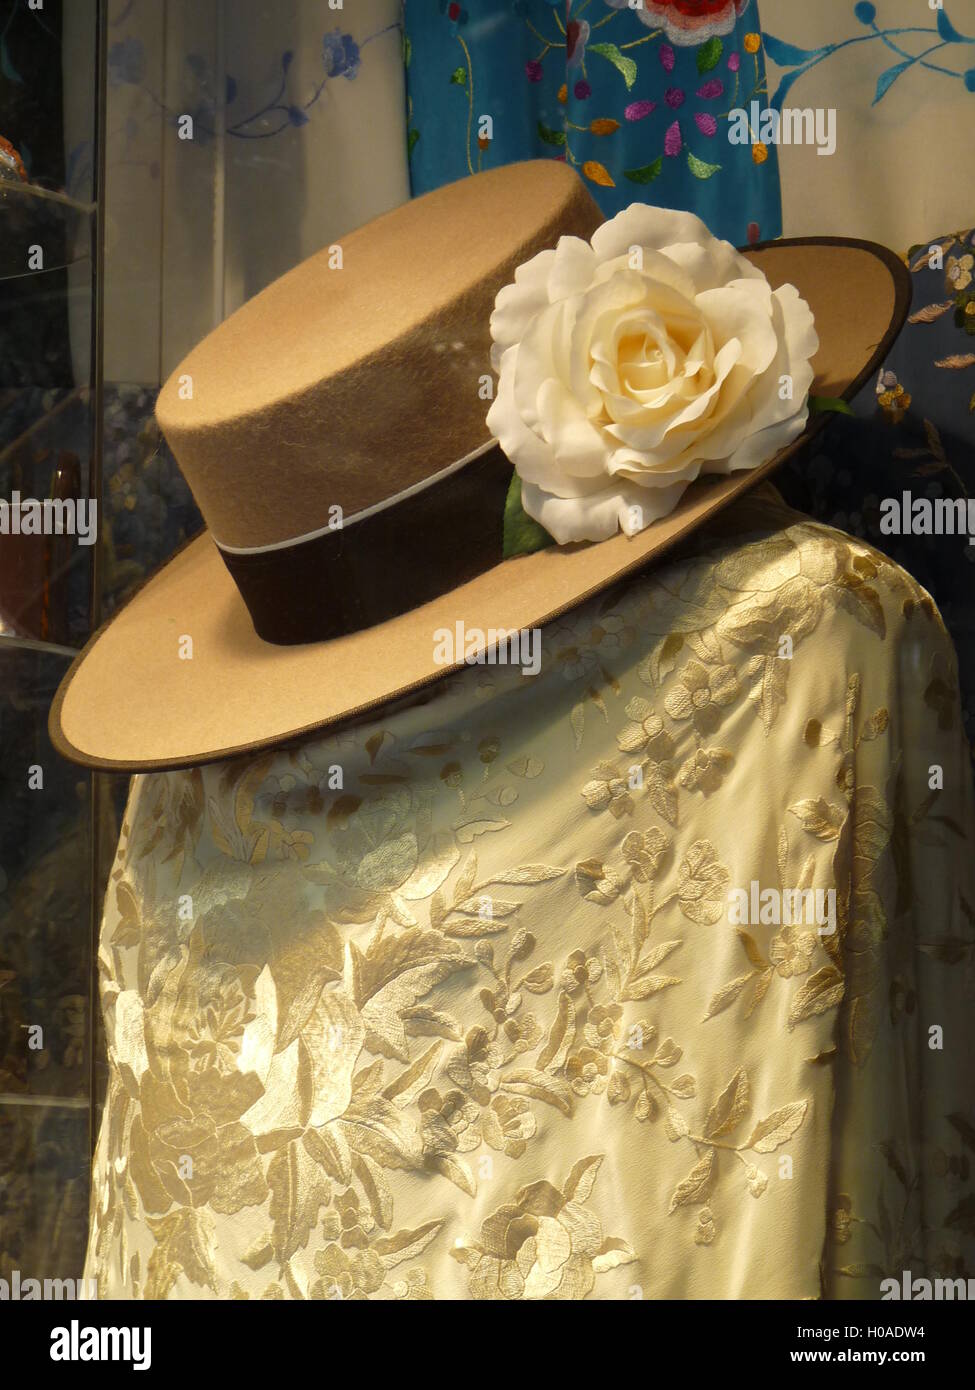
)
(636, 99)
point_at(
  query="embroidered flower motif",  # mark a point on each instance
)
(700, 693)
(340, 55)
(964, 315)
(756, 1180)
(752, 43)
(759, 152)
(958, 272)
(643, 851)
(705, 770)
(893, 400)
(544, 1244)
(454, 13)
(588, 1071)
(631, 365)
(645, 732)
(687, 22)
(791, 951)
(608, 791)
(580, 971)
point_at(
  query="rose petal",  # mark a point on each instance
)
(705, 122)
(667, 57)
(637, 110)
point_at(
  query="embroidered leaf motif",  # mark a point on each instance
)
(376, 1189)
(598, 173)
(551, 137)
(770, 1133)
(675, 1126)
(699, 168)
(956, 360)
(888, 77)
(405, 1245)
(528, 873)
(539, 1086)
(751, 950)
(612, 1253)
(581, 1180)
(184, 1245)
(646, 173)
(458, 78)
(930, 312)
(455, 1171)
(729, 1108)
(603, 125)
(726, 996)
(625, 66)
(709, 55)
(695, 1186)
(561, 1036)
(821, 992)
(787, 55)
(948, 31)
(299, 1190)
(819, 817)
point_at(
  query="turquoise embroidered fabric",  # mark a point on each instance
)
(636, 99)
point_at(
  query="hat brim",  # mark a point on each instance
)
(131, 703)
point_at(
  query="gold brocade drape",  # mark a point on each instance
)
(482, 1021)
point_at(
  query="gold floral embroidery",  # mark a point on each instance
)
(443, 1006)
(544, 1244)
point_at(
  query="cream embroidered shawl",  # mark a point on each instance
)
(478, 1021)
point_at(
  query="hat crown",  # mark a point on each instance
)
(359, 373)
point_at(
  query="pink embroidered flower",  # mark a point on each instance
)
(705, 123)
(673, 144)
(582, 90)
(687, 22)
(711, 89)
(533, 70)
(637, 110)
(674, 97)
(734, 62)
(667, 57)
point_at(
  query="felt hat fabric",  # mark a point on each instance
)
(363, 526)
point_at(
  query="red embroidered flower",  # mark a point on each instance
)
(687, 22)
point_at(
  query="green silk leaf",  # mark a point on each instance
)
(522, 534)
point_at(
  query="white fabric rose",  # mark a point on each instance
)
(625, 375)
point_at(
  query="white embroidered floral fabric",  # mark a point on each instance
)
(455, 1003)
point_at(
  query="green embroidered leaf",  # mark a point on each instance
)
(551, 137)
(822, 405)
(459, 77)
(699, 169)
(708, 55)
(647, 173)
(522, 533)
(407, 50)
(411, 140)
(625, 66)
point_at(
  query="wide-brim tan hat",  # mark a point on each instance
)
(333, 433)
